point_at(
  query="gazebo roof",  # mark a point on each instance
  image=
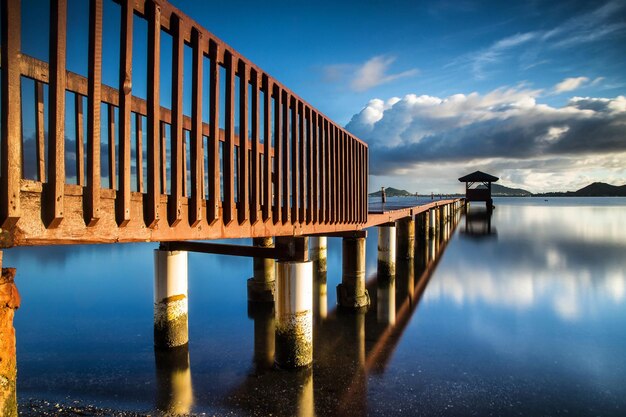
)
(478, 176)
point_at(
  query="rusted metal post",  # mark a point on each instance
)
(261, 285)
(9, 302)
(351, 293)
(405, 237)
(170, 298)
(387, 251)
(294, 314)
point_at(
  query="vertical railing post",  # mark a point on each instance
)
(153, 197)
(175, 204)
(255, 163)
(278, 154)
(55, 192)
(243, 211)
(229, 146)
(122, 201)
(213, 204)
(296, 171)
(197, 155)
(10, 208)
(286, 100)
(267, 137)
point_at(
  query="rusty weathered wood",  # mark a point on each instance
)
(316, 171)
(122, 201)
(302, 164)
(267, 137)
(229, 146)
(214, 137)
(80, 138)
(286, 162)
(255, 165)
(94, 89)
(243, 200)
(309, 163)
(40, 129)
(111, 142)
(55, 190)
(11, 147)
(278, 155)
(296, 171)
(327, 171)
(139, 150)
(196, 140)
(175, 209)
(151, 206)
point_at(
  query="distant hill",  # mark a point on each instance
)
(498, 190)
(392, 192)
(597, 189)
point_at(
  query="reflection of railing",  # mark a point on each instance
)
(291, 168)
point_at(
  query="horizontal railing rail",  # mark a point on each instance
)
(277, 166)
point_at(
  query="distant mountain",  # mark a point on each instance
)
(392, 192)
(498, 190)
(597, 189)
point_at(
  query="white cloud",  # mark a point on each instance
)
(570, 84)
(371, 73)
(506, 130)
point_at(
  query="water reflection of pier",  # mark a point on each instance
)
(349, 344)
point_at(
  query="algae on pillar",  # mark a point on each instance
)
(261, 285)
(9, 302)
(318, 251)
(351, 293)
(406, 238)
(170, 299)
(294, 314)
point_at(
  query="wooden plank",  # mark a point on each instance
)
(243, 199)
(229, 146)
(295, 252)
(122, 199)
(366, 185)
(334, 183)
(278, 154)
(11, 146)
(139, 150)
(286, 163)
(55, 190)
(213, 204)
(315, 174)
(327, 171)
(174, 209)
(111, 142)
(296, 171)
(302, 164)
(196, 140)
(267, 137)
(311, 170)
(80, 138)
(40, 128)
(153, 197)
(256, 174)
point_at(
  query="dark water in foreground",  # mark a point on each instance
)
(527, 320)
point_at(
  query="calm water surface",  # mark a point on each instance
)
(526, 316)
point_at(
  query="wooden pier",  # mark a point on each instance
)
(274, 169)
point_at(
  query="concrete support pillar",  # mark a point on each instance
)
(170, 299)
(405, 237)
(174, 389)
(261, 285)
(294, 314)
(386, 252)
(9, 302)
(318, 249)
(432, 222)
(351, 293)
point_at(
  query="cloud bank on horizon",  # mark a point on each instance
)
(506, 131)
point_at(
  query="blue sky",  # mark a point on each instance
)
(454, 65)
(530, 91)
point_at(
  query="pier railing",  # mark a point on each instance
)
(262, 162)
